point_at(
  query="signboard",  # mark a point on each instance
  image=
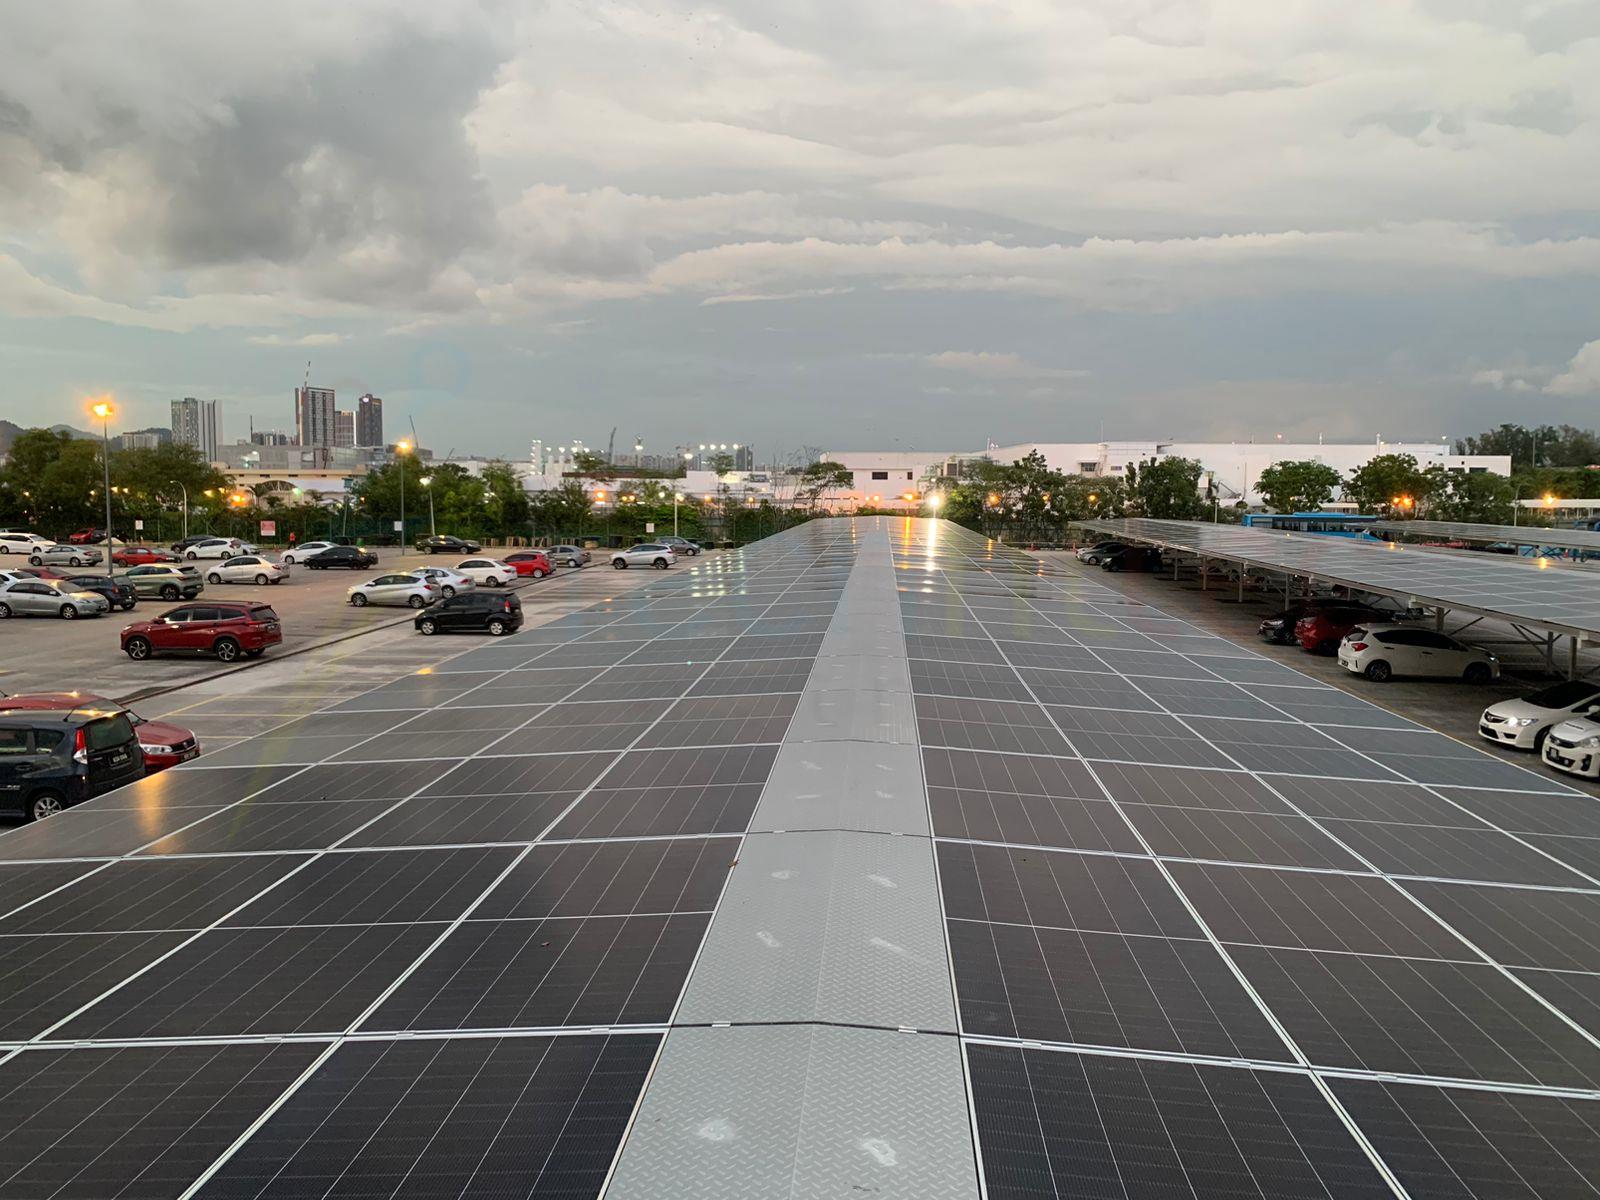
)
(138, 524)
(269, 529)
(649, 526)
(399, 527)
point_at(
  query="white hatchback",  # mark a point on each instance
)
(402, 589)
(12, 542)
(1574, 747)
(447, 581)
(1526, 721)
(490, 572)
(1380, 652)
(304, 551)
(215, 548)
(247, 568)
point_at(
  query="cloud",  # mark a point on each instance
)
(996, 365)
(308, 339)
(1582, 375)
(1501, 381)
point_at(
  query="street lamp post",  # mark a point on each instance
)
(105, 411)
(427, 484)
(185, 508)
(676, 497)
(401, 449)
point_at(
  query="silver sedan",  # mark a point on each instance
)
(65, 556)
(42, 598)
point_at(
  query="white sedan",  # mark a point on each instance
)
(1526, 721)
(1574, 747)
(490, 572)
(246, 568)
(216, 548)
(647, 554)
(1380, 652)
(399, 589)
(447, 581)
(64, 556)
(12, 542)
(304, 551)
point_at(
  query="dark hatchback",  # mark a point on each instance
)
(352, 558)
(444, 543)
(472, 612)
(117, 593)
(52, 760)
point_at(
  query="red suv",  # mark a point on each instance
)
(164, 745)
(529, 562)
(1322, 631)
(226, 628)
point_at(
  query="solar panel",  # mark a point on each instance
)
(1516, 535)
(874, 857)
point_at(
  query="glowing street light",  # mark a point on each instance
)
(105, 410)
(401, 449)
(427, 482)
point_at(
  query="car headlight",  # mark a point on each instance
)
(1591, 742)
(1520, 722)
(155, 749)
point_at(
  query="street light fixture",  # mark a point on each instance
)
(105, 410)
(401, 449)
(185, 507)
(427, 482)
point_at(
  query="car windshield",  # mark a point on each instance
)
(1565, 695)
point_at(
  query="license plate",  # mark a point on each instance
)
(119, 758)
(1561, 760)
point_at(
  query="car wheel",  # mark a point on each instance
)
(137, 648)
(572, 562)
(661, 564)
(1538, 741)
(44, 804)
(447, 591)
(1379, 672)
(416, 602)
(213, 578)
(428, 627)
(226, 650)
(1327, 647)
(498, 627)
(36, 560)
(74, 562)
(288, 560)
(620, 564)
(128, 605)
(69, 613)
(225, 555)
(5, 611)
(1476, 673)
(358, 600)
(169, 592)
(191, 556)
(262, 579)
(536, 573)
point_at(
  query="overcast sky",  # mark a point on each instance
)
(841, 223)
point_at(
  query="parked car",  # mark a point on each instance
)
(165, 581)
(1279, 628)
(647, 554)
(568, 556)
(1093, 555)
(1131, 558)
(531, 563)
(1321, 631)
(472, 612)
(49, 573)
(225, 628)
(1574, 747)
(304, 551)
(48, 598)
(180, 547)
(215, 548)
(487, 572)
(406, 589)
(118, 593)
(84, 537)
(247, 568)
(139, 556)
(447, 581)
(164, 744)
(1526, 721)
(679, 545)
(62, 555)
(51, 760)
(444, 543)
(351, 558)
(1381, 652)
(15, 542)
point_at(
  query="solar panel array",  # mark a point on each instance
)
(1520, 590)
(874, 859)
(1520, 535)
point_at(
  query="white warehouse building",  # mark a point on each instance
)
(1234, 468)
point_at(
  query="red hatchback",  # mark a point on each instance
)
(140, 556)
(164, 745)
(225, 628)
(1322, 631)
(529, 562)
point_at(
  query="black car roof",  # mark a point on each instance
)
(15, 718)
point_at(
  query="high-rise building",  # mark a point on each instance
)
(344, 428)
(369, 421)
(270, 437)
(142, 439)
(313, 416)
(196, 423)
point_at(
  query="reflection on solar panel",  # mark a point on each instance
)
(1516, 535)
(873, 859)
(1521, 590)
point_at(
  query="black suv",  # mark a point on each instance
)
(118, 594)
(443, 543)
(472, 612)
(353, 558)
(52, 759)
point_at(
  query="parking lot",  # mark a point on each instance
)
(1448, 707)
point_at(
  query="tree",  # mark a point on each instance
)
(595, 466)
(820, 478)
(505, 501)
(1297, 486)
(559, 511)
(1167, 489)
(1462, 496)
(721, 463)
(1390, 483)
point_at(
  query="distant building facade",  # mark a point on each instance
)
(197, 423)
(344, 429)
(313, 416)
(144, 439)
(369, 421)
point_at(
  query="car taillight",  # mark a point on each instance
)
(1358, 645)
(506, 607)
(80, 747)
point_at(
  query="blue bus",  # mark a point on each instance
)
(1350, 525)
